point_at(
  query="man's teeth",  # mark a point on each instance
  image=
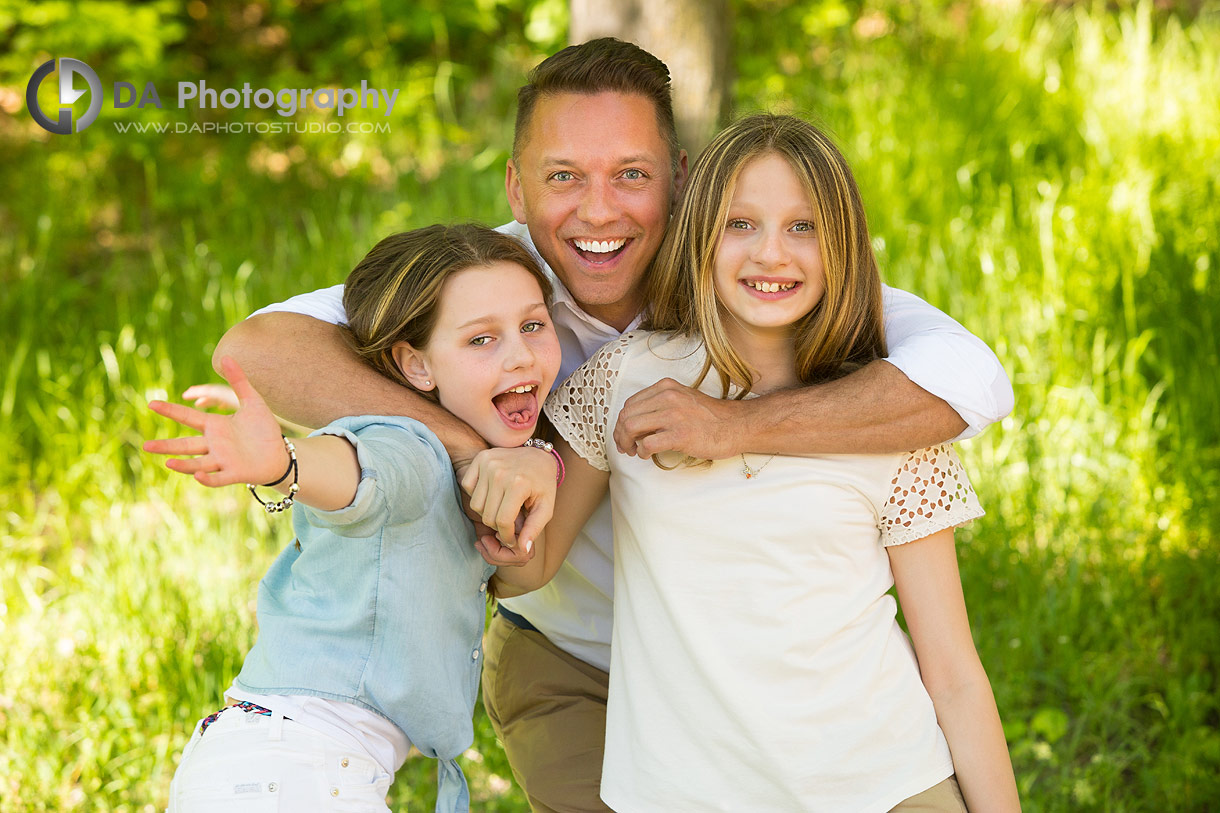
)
(600, 246)
(529, 388)
(770, 287)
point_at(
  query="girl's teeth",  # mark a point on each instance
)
(522, 389)
(771, 287)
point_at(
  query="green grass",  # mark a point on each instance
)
(1049, 176)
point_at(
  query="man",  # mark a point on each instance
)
(595, 170)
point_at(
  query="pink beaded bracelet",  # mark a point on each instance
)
(539, 443)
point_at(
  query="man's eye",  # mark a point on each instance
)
(532, 327)
(562, 175)
(634, 175)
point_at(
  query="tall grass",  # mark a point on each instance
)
(1049, 176)
(128, 591)
(1052, 178)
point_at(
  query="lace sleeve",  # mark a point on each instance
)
(931, 492)
(580, 407)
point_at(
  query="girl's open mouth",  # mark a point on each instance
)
(518, 407)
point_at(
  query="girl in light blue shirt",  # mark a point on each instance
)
(371, 620)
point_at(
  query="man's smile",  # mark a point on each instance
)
(599, 252)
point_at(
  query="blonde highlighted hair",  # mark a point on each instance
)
(393, 294)
(844, 330)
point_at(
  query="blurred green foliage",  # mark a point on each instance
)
(1049, 174)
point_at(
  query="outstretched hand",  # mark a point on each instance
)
(671, 417)
(245, 447)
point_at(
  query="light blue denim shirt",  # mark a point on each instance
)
(382, 603)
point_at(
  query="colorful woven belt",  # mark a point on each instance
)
(245, 705)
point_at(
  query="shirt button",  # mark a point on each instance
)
(343, 762)
(474, 656)
(483, 587)
(272, 787)
(334, 791)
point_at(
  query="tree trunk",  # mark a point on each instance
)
(690, 36)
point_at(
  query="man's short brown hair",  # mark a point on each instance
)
(599, 66)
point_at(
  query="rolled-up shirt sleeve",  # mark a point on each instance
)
(944, 358)
(325, 304)
(401, 473)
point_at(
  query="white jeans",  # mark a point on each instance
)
(251, 763)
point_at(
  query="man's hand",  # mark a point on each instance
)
(212, 395)
(502, 482)
(671, 417)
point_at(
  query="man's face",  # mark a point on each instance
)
(594, 185)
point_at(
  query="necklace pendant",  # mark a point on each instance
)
(750, 473)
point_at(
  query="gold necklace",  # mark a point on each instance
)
(752, 473)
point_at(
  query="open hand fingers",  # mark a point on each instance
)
(179, 446)
(180, 413)
(215, 479)
(192, 465)
(241, 385)
(205, 471)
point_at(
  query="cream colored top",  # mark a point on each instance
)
(756, 660)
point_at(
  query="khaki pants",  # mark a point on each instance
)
(549, 710)
(943, 798)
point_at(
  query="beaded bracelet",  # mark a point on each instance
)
(292, 462)
(539, 443)
(286, 503)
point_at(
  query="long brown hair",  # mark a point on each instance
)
(394, 293)
(844, 330)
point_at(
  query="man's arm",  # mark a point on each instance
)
(950, 362)
(307, 373)
(874, 410)
(939, 383)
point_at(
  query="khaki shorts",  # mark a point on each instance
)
(943, 798)
(549, 710)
